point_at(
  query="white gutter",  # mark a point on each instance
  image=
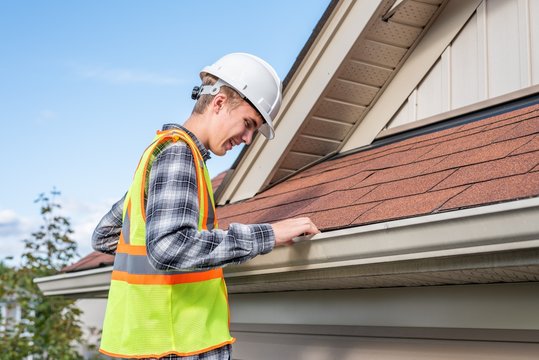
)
(501, 227)
(486, 229)
(93, 281)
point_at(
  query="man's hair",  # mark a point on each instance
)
(233, 98)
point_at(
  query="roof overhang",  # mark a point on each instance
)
(93, 283)
(359, 49)
(495, 243)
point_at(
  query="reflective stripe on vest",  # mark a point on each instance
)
(152, 313)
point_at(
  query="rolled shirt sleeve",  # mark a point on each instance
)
(106, 234)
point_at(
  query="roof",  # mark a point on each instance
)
(90, 261)
(483, 162)
(488, 161)
(217, 180)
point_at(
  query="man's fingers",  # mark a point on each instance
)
(288, 230)
(311, 227)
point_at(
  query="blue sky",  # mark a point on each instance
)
(85, 84)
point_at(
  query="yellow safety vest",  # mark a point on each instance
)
(153, 313)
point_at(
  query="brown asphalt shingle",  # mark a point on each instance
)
(496, 190)
(216, 181)
(419, 204)
(91, 261)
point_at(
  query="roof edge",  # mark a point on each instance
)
(81, 284)
(454, 234)
(429, 236)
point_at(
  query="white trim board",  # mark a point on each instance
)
(80, 284)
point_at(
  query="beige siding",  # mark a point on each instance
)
(497, 321)
(496, 53)
(534, 39)
(271, 346)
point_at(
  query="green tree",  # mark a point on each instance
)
(49, 326)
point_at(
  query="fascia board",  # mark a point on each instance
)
(453, 17)
(320, 65)
(88, 283)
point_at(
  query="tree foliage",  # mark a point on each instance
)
(48, 327)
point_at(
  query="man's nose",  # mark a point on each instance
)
(247, 137)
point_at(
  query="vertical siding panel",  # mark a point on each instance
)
(465, 79)
(524, 43)
(495, 53)
(445, 94)
(401, 117)
(503, 46)
(429, 99)
(534, 40)
(412, 108)
(482, 52)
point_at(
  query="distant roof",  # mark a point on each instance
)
(492, 160)
(217, 180)
(91, 261)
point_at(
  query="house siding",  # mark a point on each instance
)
(495, 53)
(497, 321)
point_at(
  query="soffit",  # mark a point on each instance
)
(433, 272)
(370, 64)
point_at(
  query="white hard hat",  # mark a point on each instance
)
(254, 79)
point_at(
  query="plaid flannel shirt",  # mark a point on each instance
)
(173, 241)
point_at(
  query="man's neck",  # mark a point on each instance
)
(197, 124)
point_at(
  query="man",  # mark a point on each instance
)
(168, 297)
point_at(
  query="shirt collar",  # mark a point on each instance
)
(203, 151)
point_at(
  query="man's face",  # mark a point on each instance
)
(234, 127)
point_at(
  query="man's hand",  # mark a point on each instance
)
(287, 230)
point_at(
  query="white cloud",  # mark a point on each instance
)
(14, 228)
(8, 222)
(11, 246)
(84, 218)
(12, 224)
(130, 76)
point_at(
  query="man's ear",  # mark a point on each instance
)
(218, 102)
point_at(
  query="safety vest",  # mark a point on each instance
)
(153, 313)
